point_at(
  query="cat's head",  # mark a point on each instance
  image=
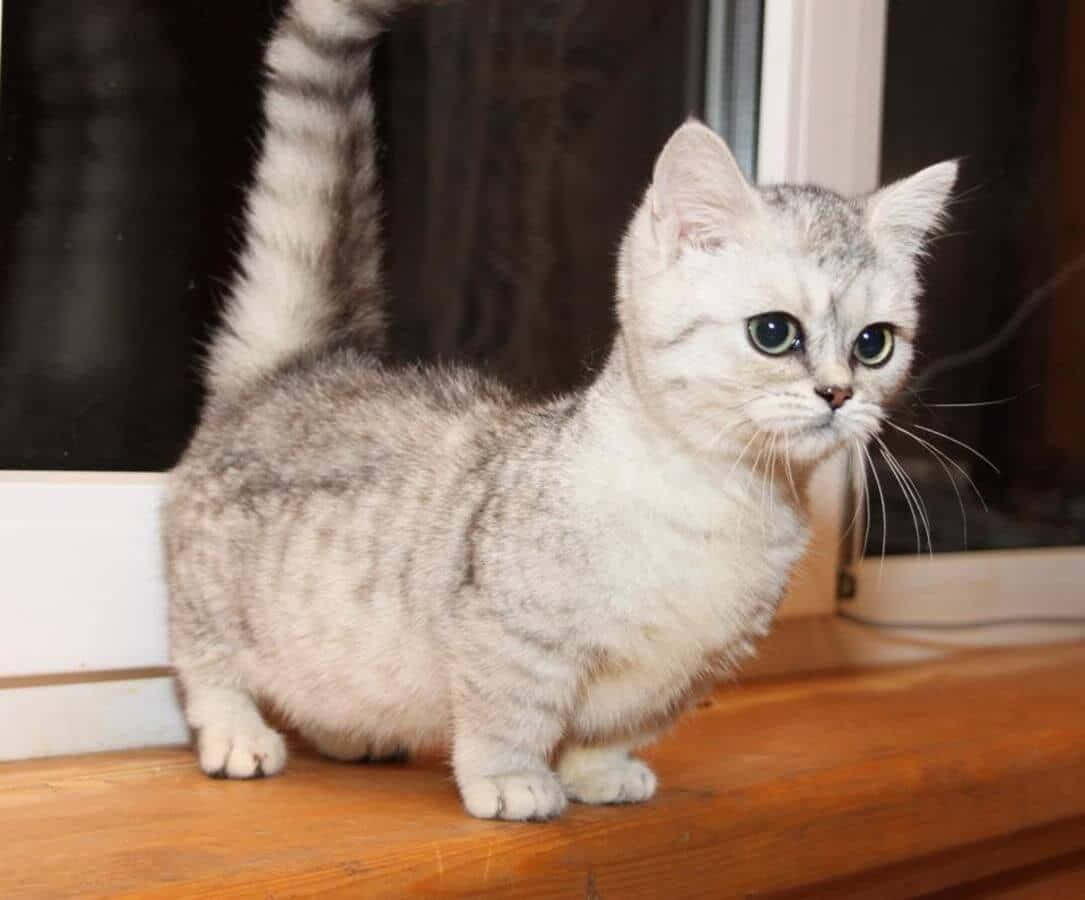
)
(789, 312)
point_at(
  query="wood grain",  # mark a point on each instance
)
(843, 785)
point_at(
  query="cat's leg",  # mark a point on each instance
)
(232, 739)
(506, 727)
(605, 774)
(506, 777)
(618, 712)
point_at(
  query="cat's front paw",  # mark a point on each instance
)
(251, 752)
(621, 779)
(517, 796)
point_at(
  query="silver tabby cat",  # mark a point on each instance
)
(400, 559)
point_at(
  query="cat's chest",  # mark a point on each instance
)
(714, 585)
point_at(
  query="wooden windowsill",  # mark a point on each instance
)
(885, 783)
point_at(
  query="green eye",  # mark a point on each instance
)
(774, 333)
(874, 345)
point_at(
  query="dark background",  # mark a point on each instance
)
(518, 137)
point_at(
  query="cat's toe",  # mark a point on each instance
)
(518, 796)
(625, 781)
(241, 754)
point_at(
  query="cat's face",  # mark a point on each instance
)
(781, 321)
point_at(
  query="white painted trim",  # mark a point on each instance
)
(954, 588)
(84, 613)
(81, 586)
(822, 68)
(57, 719)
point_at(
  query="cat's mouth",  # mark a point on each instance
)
(818, 437)
(819, 426)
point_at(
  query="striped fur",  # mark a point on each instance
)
(310, 272)
(398, 559)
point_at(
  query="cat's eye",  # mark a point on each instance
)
(874, 345)
(775, 333)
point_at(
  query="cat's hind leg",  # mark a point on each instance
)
(605, 775)
(232, 739)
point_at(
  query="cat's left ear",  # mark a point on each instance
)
(903, 215)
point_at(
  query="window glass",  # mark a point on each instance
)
(1001, 365)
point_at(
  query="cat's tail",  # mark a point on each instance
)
(310, 271)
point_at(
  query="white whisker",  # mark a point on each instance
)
(857, 480)
(954, 440)
(940, 455)
(1001, 402)
(764, 482)
(770, 483)
(790, 474)
(756, 434)
(907, 499)
(921, 506)
(881, 497)
(911, 492)
(866, 495)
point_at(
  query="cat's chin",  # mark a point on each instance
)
(811, 444)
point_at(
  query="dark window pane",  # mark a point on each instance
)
(518, 138)
(996, 83)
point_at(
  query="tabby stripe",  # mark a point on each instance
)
(688, 331)
(312, 90)
(343, 49)
(534, 638)
(510, 699)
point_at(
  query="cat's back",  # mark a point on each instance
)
(338, 422)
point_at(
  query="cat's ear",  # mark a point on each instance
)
(699, 196)
(905, 214)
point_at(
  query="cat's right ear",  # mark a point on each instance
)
(699, 196)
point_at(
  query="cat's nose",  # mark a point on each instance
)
(835, 395)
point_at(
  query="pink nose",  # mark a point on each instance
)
(835, 395)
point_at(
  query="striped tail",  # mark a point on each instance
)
(310, 271)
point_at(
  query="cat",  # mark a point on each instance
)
(398, 559)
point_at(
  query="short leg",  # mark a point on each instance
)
(232, 739)
(500, 781)
(500, 754)
(605, 775)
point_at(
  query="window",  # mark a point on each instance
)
(992, 434)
